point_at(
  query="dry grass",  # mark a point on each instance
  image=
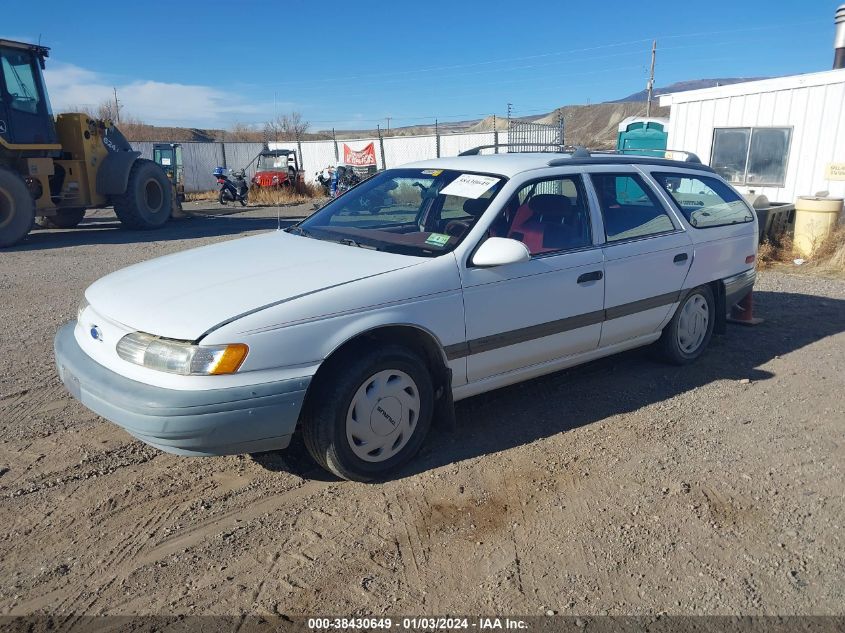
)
(828, 258)
(267, 196)
(775, 251)
(283, 196)
(200, 196)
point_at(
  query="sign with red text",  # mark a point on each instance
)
(360, 158)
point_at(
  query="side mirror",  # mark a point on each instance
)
(498, 251)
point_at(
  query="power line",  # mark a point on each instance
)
(548, 54)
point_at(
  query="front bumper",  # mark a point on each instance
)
(738, 286)
(227, 421)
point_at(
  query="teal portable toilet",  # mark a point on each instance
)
(643, 136)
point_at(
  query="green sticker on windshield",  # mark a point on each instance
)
(437, 239)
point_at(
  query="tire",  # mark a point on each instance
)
(243, 199)
(222, 199)
(396, 424)
(65, 219)
(17, 208)
(291, 178)
(146, 203)
(689, 332)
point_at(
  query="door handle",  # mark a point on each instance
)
(680, 257)
(596, 275)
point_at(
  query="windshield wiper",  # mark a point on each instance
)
(298, 230)
(348, 241)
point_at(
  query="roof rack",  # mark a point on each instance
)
(668, 154)
(558, 148)
(581, 152)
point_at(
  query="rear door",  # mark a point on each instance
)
(647, 254)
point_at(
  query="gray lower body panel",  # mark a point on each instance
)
(738, 287)
(227, 421)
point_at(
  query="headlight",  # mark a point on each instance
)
(83, 305)
(181, 357)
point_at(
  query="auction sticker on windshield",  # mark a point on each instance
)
(469, 186)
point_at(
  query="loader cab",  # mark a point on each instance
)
(25, 114)
(169, 157)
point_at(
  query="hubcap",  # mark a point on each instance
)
(383, 415)
(692, 323)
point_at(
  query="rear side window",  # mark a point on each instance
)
(705, 202)
(630, 209)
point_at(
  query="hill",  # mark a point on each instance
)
(683, 86)
(594, 125)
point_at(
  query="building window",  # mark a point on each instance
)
(751, 155)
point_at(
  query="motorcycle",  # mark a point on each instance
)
(324, 179)
(234, 188)
(343, 180)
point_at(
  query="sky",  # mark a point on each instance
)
(351, 65)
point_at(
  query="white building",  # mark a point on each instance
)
(782, 137)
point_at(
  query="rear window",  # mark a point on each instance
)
(705, 202)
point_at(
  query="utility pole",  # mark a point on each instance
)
(510, 109)
(388, 124)
(116, 106)
(651, 78)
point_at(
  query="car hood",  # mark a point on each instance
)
(185, 295)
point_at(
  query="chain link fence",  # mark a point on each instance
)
(200, 159)
(525, 136)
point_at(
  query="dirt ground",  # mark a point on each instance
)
(624, 486)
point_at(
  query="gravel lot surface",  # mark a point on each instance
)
(624, 486)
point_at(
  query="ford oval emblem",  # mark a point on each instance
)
(96, 334)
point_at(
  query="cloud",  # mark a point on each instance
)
(155, 102)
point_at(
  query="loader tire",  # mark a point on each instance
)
(146, 203)
(64, 219)
(17, 208)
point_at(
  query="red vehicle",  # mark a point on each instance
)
(276, 167)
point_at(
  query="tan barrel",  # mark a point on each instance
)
(815, 219)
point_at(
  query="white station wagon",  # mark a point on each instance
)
(423, 285)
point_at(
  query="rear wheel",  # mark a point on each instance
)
(146, 203)
(64, 219)
(686, 336)
(371, 413)
(17, 208)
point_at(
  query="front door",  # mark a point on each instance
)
(548, 307)
(647, 255)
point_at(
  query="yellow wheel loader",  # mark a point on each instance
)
(54, 169)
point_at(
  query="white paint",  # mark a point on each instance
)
(813, 105)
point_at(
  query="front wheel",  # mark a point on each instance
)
(687, 335)
(370, 414)
(146, 203)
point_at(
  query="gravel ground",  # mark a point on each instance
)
(621, 487)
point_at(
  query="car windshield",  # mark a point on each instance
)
(422, 212)
(272, 163)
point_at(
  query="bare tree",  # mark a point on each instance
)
(286, 127)
(243, 132)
